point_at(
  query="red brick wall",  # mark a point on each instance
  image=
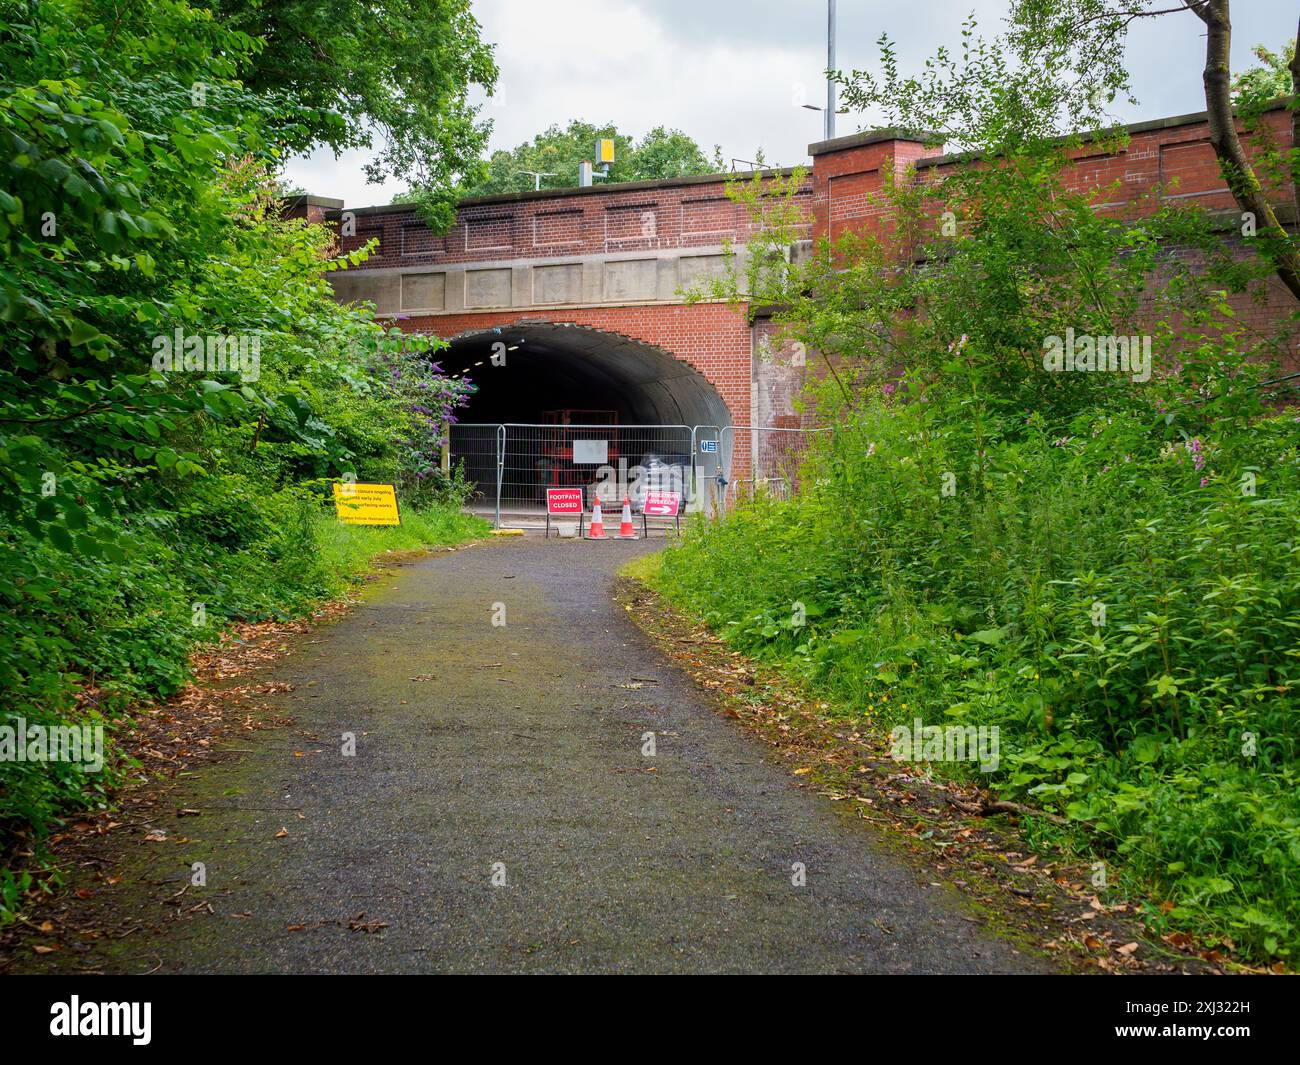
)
(843, 181)
(580, 222)
(1173, 159)
(713, 338)
(1174, 162)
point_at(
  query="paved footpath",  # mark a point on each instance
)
(518, 744)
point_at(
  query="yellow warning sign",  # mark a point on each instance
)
(366, 504)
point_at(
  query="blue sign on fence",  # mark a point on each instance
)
(709, 447)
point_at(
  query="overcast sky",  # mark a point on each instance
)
(732, 72)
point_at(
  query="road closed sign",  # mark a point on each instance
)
(662, 504)
(564, 502)
(366, 504)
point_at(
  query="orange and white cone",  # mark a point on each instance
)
(596, 530)
(625, 530)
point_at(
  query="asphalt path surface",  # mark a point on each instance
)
(500, 813)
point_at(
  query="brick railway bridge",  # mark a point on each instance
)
(584, 286)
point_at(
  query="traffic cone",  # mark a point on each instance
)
(596, 530)
(625, 530)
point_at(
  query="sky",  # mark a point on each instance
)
(733, 72)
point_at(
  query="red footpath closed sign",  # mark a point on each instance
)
(564, 502)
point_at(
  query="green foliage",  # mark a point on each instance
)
(1271, 80)
(980, 608)
(177, 386)
(355, 73)
(661, 153)
(1105, 566)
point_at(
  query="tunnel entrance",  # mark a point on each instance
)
(576, 404)
(566, 367)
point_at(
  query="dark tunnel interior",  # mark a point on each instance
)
(556, 367)
(548, 374)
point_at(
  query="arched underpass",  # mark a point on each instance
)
(624, 403)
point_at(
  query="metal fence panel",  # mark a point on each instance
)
(763, 458)
(538, 457)
(476, 447)
(512, 464)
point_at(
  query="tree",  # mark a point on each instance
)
(1271, 79)
(1101, 26)
(987, 258)
(661, 153)
(669, 153)
(175, 376)
(1237, 170)
(357, 74)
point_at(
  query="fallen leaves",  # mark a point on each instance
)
(357, 923)
(360, 924)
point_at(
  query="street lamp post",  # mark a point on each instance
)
(830, 67)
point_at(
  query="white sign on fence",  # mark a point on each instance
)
(590, 452)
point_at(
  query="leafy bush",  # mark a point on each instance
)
(146, 497)
(1122, 599)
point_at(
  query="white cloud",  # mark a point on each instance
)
(727, 71)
